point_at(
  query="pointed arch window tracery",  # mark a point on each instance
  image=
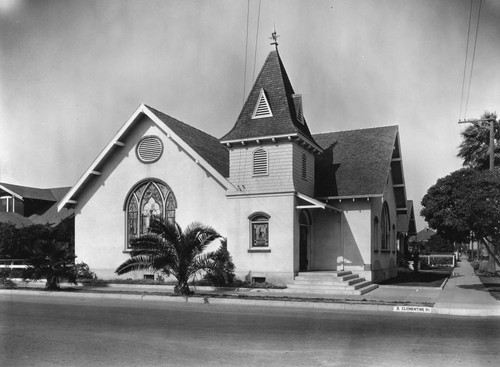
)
(148, 199)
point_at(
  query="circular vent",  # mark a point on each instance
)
(149, 149)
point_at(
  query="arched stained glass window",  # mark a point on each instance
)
(385, 227)
(148, 199)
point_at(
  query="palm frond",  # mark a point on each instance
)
(140, 262)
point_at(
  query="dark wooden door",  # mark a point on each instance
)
(304, 236)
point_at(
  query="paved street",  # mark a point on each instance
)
(56, 331)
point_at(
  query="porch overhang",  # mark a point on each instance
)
(314, 204)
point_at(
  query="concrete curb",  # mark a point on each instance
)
(208, 300)
(255, 302)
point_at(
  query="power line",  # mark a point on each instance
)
(465, 63)
(246, 54)
(473, 57)
(256, 41)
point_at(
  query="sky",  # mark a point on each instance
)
(73, 72)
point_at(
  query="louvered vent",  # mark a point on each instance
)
(260, 162)
(304, 166)
(297, 102)
(149, 149)
(262, 109)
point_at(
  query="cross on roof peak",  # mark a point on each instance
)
(274, 37)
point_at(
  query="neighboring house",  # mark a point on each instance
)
(424, 235)
(287, 200)
(24, 206)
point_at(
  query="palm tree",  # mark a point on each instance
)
(166, 248)
(51, 260)
(474, 149)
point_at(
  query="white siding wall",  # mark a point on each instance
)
(384, 263)
(280, 170)
(276, 265)
(100, 219)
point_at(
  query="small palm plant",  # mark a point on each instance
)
(168, 249)
(51, 260)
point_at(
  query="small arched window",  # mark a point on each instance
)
(385, 227)
(260, 162)
(259, 229)
(147, 199)
(375, 234)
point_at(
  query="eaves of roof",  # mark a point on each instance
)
(26, 192)
(204, 149)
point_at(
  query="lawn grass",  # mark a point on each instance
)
(422, 278)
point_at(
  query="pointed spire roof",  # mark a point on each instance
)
(274, 87)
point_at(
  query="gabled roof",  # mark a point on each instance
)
(204, 149)
(406, 222)
(354, 163)
(273, 80)
(204, 144)
(25, 192)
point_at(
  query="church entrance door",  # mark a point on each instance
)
(304, 240)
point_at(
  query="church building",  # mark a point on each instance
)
(289, 202)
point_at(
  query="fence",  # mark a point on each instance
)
(13, 266)
(436, 260)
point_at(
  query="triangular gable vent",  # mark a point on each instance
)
(262, 109)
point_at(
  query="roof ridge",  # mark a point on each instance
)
(352, 130)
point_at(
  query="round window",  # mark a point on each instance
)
(149, 149)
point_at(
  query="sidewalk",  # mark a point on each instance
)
(463, 294)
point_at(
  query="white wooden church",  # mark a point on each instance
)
(287, 200)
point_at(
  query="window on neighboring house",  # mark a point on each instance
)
(385, 227)
(259, 228)
(6, 204)
(147, 200)
(304, 166)
(260, 162)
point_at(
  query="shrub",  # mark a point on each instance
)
(5, 281)
(83, 271)
(222, 272)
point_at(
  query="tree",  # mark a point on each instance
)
(167, 249)
(474, 149)
(438, 245)
(51, 260)
(464, 202)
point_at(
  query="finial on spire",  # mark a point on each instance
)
(274, 37)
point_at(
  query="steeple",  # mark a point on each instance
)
(272, 108)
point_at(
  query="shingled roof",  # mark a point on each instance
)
(273, 79)
(207, 146)
(27, 192)
(354, 163)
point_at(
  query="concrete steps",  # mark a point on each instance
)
(330, 282)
